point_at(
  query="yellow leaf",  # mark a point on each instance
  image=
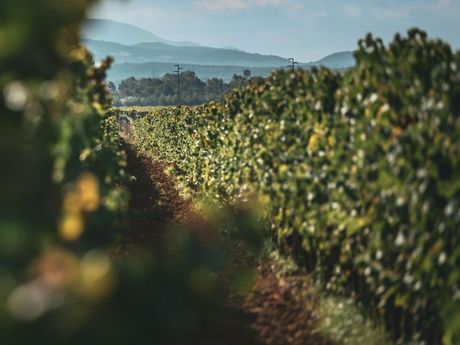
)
(313, 143)
(283, 169)
(71, 226)
(88, 190)
(331, 140)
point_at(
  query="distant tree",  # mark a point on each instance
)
(215, 89)
(257, 80)
(112, 88)
(192, 85)
(247, 73)
(237, 81)
(128, 87)
(163, 91)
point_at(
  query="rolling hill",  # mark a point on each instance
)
(161, 52)
(111, 31)
(338, 60)
(123, 71)
(139, 53)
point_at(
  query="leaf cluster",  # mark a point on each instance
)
(358, 174)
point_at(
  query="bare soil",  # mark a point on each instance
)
(278, 310)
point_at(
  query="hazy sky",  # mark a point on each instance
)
(304, 29)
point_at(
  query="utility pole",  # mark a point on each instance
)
(292, 63)
(178, 82)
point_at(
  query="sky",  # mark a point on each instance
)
(304, 29)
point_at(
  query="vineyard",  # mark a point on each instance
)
(68, 273)
(356, 173)
(150, 232)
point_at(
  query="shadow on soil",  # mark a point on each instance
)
(276, 310)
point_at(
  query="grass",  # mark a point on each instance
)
(339, 318)
(342, 321)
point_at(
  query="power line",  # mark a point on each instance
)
(292, 63)
(178, 82)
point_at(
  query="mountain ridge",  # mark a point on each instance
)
(337, 60)
(162, 52)
(138, 52)
(113, 31)
(130, 44)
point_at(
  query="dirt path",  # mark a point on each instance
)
(277, 310)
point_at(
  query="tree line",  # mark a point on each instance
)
(163, 91)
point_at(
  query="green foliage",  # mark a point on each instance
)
(62, 164)
(63, 204)
(53, 146)
(358, 174)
